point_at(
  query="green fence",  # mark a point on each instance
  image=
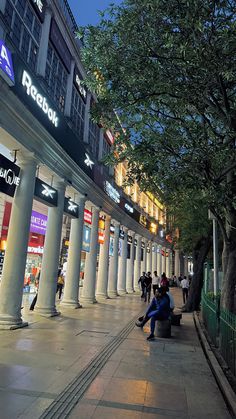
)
(220, 325)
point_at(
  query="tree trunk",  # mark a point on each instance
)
(228, 300)
(199, 256)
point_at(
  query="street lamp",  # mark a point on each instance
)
(215, 252)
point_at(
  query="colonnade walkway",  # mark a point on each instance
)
(94, 363)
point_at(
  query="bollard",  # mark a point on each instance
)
(163, 328)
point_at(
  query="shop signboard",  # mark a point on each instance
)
(38, 223)
(111, 246)
(101, 223)
(40, 8)
(112, 229)
(148, 250)
(78, 84)
(9, 176)
(122, 234)
(71, 208)
(45, 193)
(143, 245)
(6, 65)
(112, 192)
(86, 238)
(2, 254)
(130, 239)
(87, 216)
(135, 242)
(101, 237)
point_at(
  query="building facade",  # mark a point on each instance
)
(59, 205)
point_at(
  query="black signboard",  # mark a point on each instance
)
(40, 8)
(122, 234)
(78, 84)
(71, 208)
(9, 176)
(45, 193)
(148, 250)
(135, 242)
(130, 239)
(60, 45)
(53, 121)
(142, 245)
(129, 209)
(2, 254)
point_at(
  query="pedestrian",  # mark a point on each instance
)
(172, 303)
(155, 282)
(185, 287)
(180, 279)
(159, 309)
(148, 287)
(141, 281)
(60, 283)
(36, 283)
(164, 280)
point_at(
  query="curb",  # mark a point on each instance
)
(221, 380)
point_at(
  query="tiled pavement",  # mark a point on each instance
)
(166, 378)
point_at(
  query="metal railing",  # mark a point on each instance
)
(69, 18)
(221, 327)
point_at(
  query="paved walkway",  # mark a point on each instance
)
(45, 368)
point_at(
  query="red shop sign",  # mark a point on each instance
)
(87, 216)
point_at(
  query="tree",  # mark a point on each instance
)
(166, 70)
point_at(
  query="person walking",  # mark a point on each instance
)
(148, 287)
(60, 283)
(185, 288)
(36, 283)
(155, 282)
(141, 281)
(164, 280)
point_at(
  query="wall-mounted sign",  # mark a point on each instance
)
(9, 176)
(87, 216)
(111, 192)
(143, 245)
(154, 248)
(101, 237)
(38, 223)
(101, 223)
(35, 249)
(6, 66)
(71, 208)
(135, 242)
(45, 193)
(39, 99)
(86, 238)
(111, 246)
(161, 233)
(129, 208)
(153, 228)
(88, 161)
(130, 239)
(169, 238)
(2, 255)
(78, 84)
(143, 220)
(122, 234)
(148, 249)
(60, 45)
(40, 7)
(112, 229)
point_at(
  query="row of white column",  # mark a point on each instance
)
(118, 276)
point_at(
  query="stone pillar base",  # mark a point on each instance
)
(130, 291)
(70, 304)
(11, 323)
(47, 312)
(137, 290)
(122, 292)
(112, 294)
(88, 300)
(102, 296)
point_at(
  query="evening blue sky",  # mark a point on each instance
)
(85, 11)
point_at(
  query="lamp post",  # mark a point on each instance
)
(215, 252)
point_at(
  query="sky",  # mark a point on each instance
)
(85, 11)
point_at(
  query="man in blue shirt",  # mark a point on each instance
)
(159, 309)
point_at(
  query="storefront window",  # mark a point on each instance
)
(94, 136)
(25, 29)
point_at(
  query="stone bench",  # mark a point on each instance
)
(175, 319)
(163, 328)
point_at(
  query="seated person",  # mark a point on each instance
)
(172, 303)
(159, 309)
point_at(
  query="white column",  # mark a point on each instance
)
(88, 294)
(144, 261)
(159, 262)
(113, 266)
(71, 290)
(149, 258)
(177, 264)
(122, 265)
(164, 260)
(86, 118)
(186, 265)
(137, 263)
(69, 89)
(154, 258)
(103, 265)
(43, 47)
(168, 264)
(130, 267)
(45, 305)
(171, 263)
(11, 288)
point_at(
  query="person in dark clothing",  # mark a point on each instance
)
(60, 283)
(141, 281)
(159, 309)
(148, 287)
(36, 295)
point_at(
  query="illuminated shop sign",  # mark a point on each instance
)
(87, 216)
(122, 234)
(78, 83)
(143, 220)
(71, 208)
(153, 228)
(38, 223)
(101, 223)
(40, 7)
(45, 193)
(129, 208)
(6, 66)
(36, 250)
(135, 242)
(148, 249)
(111, 192)
(9, 176)
(143, 245)
(112, 229)
(130, 239)
(39, 99)
(111, 247)
(88, 161)
(86, 238)
(101, 237)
